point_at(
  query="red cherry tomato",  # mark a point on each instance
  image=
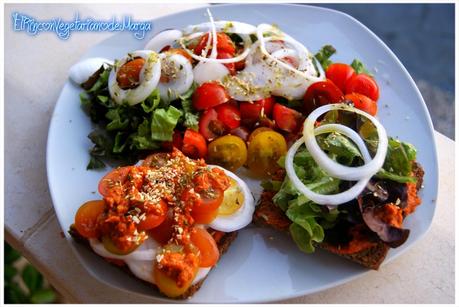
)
(224, 43)
(115, 177)
(177, 141)
(226, 55)
(229, 115)
(286, 119)
(210, 126)
(208, 95)
(86, 218)
(363, 103)
(339, 74)
(207, 246)
(321, 93)
(253, 111)
(363, 84)
(164, 231)
(154, 219)
(194, 144)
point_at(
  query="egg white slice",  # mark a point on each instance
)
(163, 39)
(82, 71)
(149, 78)
(179, 75)
(243, 216)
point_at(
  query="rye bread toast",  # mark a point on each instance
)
(223, 245)
(268, 214)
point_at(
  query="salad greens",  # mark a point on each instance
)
(309, 220)
(324, 54)
(124, 132)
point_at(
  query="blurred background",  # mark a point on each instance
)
(422, 37)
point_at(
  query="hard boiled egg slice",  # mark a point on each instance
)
(163, 39)
(176, 76)
(82, 71)
(148, 78)
(237, 208)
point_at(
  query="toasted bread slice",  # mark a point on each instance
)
(223, 244)
(268, 214)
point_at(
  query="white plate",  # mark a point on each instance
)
(261, 265)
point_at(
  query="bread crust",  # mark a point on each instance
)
(223, 245)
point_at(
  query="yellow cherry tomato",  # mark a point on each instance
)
(256, 132)
(228, 151)
(264, 151)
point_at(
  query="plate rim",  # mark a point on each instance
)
(381, 43)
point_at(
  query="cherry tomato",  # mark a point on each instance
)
(128, 75)
(340, 74)
(363, 103)
(86, 218)
(258, 131)
(194, 144)
(264, 151)
(207, 246)
(112, 248)
(163, 232)
(205, 207)
(229, 115)
(153, 219)
(251, 112)
(115, 177)
(231, 66)
(169, 286)
(228, 151)
(241, 132)
(286, 119)
(224, 44)
(363, 84)
(177, 141)
(210, 126)
(205, 217)
(321, 93)
(208, 95)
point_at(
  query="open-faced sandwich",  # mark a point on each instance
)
(237, 95)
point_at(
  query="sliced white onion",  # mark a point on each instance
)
(332, 167)
(149, 78)
(213, 53)
(333, 199)
(209, 71)
(81, 71)
(228, 26)
(163, 39)
(182, 78)
(243, 216)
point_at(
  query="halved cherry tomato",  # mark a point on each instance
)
(253, 111)
(286, 119)
(154, 219)
(177, 141)
(321, 93)
(163, 232)
(228, 151)
(86, 218)
(208, 95)
(115, 177)
(112, 248)
(181, 52)
(224, 43)
(229, 115)
(210, 126)
(204, 217)
(205, 207)
(340, 73)
(128, 75)
(194, 144)
(226, 55)
(363, 84)
(363, 103)
(207, 246)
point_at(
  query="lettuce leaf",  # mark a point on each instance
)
(191, 116)
(399, 162)
(164, 122)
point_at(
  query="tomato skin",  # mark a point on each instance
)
(321, 93)
(229, 115)
(205, 205)
(253, 111)
(177, 141)
(208, 95)
(207, 246)
(363, 84)
(339, 74)
(286, 119)
(128, 74)
(118, 175)
(224, 44)
(210, 126)
(194, 144)
(363, 103)
(87, 216)
(258, 131)
(163, 232)
(153, 219)
(231, 66)
(264, 151)
(228, 151)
